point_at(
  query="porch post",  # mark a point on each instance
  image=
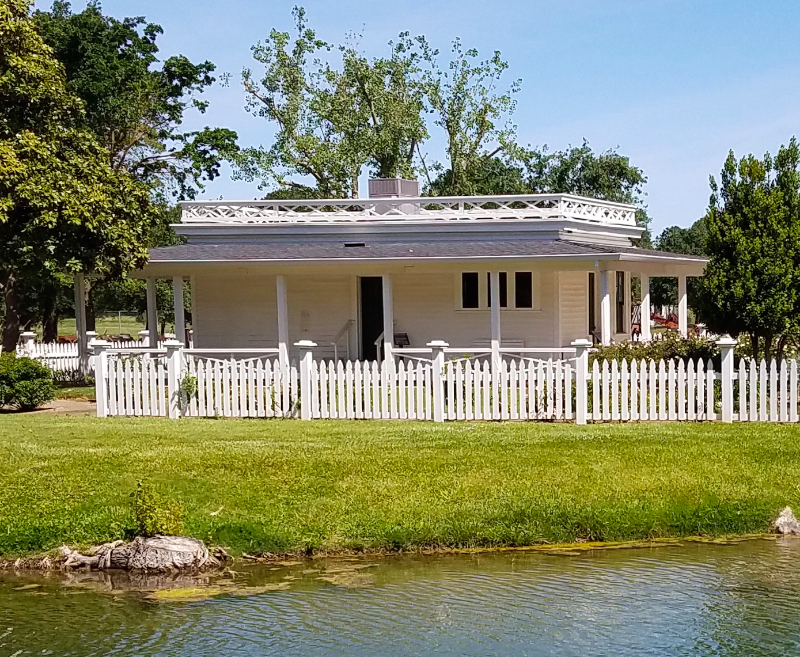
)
(645, 307)
(177, 300)
(80, 322)
(388, 317)
(683, 307)
(152, 314)
(494, 294)
(283, 321)
(605, 307)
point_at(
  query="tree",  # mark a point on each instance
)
(752, 282)
(687, 241)
(135, 106)
(332, 121)
(579, 170)
(63, 207)
(474, 115)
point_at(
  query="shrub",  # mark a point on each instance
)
(670, 346)
(154, 514)
(25, 383)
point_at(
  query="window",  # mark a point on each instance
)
(592, 316)
(503, 289)
(469, 290)
(620, 299)
(523, 289)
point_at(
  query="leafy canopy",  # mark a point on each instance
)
(133, 103)
(62, 205)
(331, 122)
(752, 283)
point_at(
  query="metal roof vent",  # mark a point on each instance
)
(393, 188)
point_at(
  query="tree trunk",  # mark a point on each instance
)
(754, 345)
(781, 346)
(768, 338)
(90, 318)
(50, 318)
(11, 321)
(157, 553)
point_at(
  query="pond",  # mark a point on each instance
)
(683, 599)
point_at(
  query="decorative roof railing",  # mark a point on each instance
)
(423, 209)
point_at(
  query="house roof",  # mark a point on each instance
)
(330, 251)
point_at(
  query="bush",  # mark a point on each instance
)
(154, 514)
(25, 383)
(670, 346)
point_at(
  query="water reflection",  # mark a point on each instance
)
(696, 599)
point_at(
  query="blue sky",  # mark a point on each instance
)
(674, 84)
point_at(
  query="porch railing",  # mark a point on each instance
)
(440, 208)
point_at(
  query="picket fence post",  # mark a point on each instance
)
(582, 347)
(437, 348)
(28, 339)
(726, 346)
(101, 375)
(174, 370)
(306, 363)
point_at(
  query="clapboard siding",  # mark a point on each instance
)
(241, 311)
(237, 311)
(425, 308)
(318, 309)
(573, 305)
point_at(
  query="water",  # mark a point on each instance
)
(689, 599)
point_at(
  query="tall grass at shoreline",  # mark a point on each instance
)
(288, 486)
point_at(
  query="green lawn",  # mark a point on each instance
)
(283, 486)
(76, 392)
(106, 325)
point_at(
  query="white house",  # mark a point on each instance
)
(494, 273)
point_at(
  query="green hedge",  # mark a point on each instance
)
(671, 346)
(25, 383)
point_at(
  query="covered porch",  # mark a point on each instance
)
(343, 305)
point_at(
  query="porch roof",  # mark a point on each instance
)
(430, 251)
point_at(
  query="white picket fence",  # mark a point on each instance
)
(64, 356)
(461, 390)
(175, 382)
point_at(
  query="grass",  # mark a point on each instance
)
(289, 486)
(80, 392)
(106, 325)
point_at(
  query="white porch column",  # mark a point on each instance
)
(388, 317)
(605, 307)
(645, 307)
(494, 293)
(80, 322)
(152, 314)
(683, 307)
(283, 320)
(177, 301)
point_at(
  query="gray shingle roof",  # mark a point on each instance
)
(316, 251)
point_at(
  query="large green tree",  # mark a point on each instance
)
(331, 122)
(135, 104)
(752, 283)
(63, 206)
(468, 104)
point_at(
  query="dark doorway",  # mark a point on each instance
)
(371, 315)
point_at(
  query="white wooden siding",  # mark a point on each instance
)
(235, 310)
(240, 310)
(573, 305)
(425, 308)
